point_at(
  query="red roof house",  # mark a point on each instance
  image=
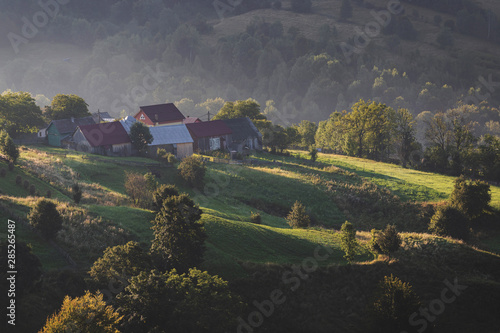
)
(104, 139)
(161, 114)
(190, 120)
(210, 135)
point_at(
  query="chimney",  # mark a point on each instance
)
(72, 119)
(156, 116)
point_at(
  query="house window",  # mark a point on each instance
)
(142, 117)
(214, 143)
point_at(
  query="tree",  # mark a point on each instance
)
(178, 236)
(19, 113)
(162, 193)
(387, 241)
(395, 301)
(249, 108)
(7, 146)
(192, 169)
(449, 221)
(45, 217)
(471, 197)
(141, 137)
(439, 138)
(67, 106)
(298, 218)
(138, 190)
(77, 193)
(119, 263)
(307, 130)
(348, 241)
(489, 157)
(170, 302)
(404, 135)
(301, 6)
(86, 314)
(346, 9)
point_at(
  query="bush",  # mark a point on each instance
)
(3, 172)
(386, 242)
(255, 218)
(395, 302)
(348, 241)
(449, 221)
(445, 38)
(471, 197)
(11, 166)
(165, 157)
(298, 218)
(137, 188)
(45, 217)
(19, 180)
(313, 154)
(192, 170)
(77, 193)
(162, 193)
(32, 190)
(301, 6)
(26, 184)
(7, 146)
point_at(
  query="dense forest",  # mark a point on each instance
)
(121, 54)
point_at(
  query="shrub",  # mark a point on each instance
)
(11, 166)
(255, 218)
(313, 153)
(386, 242)
(162, 193)
(77, 193)
(445, 38)
(395, 301)
(471, 197)
(449, 221)
(298, 218)
(45, 217)
(348, 241)
(3, 172)
(26, 184)
(32, 190)
(192, 170)
(171, 159)
(19, 180)
(7, 146)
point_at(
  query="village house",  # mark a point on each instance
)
(102, 117)
(210, 135)
(63, 129)
(159, 115)
(190, 120)
(174, 139)
(109, 139)
(245, 136)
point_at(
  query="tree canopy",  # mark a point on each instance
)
(67, 106)
(249, 108)
(19, 114)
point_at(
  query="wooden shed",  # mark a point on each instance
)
(174, 139)
(210, 135)
(105, 139)
(61, 129)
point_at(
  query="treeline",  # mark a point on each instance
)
(302, 77)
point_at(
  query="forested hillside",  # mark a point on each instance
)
(298, 61)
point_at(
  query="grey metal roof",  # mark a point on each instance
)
(127, 122)
(167, 135)
(242, 128)
(69, 125)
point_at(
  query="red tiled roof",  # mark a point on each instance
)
(162, 112)
(209, 128)
(190, 120)
(105, 134)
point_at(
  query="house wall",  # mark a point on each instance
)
(151, 122)
(54, 137)
(203, 143)
(184, 150)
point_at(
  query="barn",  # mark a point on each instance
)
(210, 135)
(174, 139)
(109, 139)
(61, 129)
(245, 136)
